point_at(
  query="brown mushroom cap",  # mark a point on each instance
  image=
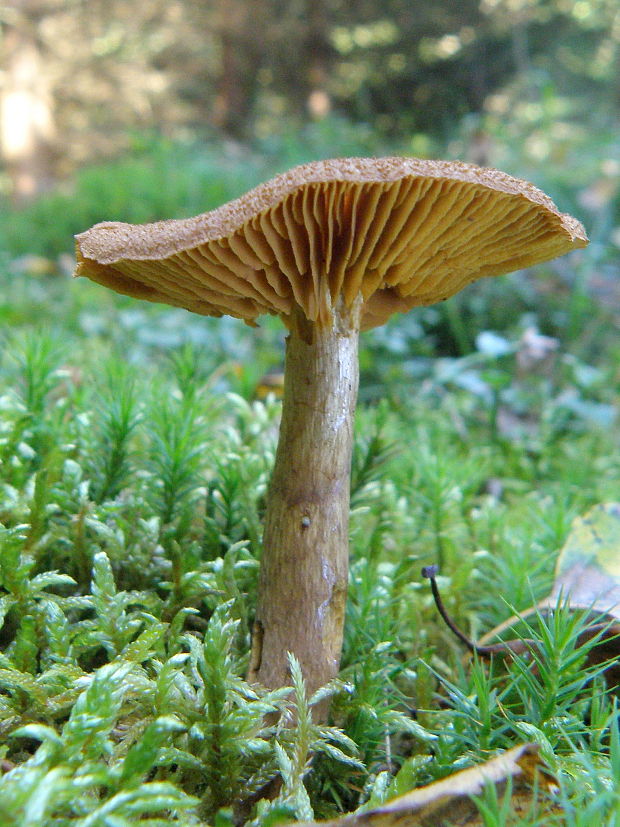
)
(400, 231)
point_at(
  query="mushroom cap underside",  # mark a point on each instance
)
(400, 232)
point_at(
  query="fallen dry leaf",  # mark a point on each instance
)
(587, 573)
(449, 801)
(587, 577)
(588, 568)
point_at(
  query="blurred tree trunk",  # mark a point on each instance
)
(239, 26)
(318, 52)
(232, 102)
(27, 130)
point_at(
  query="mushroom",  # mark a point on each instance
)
(332, 247)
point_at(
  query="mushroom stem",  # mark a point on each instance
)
(304, 566)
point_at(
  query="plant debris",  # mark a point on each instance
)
(517, 773)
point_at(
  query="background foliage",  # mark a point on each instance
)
(248, 68)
